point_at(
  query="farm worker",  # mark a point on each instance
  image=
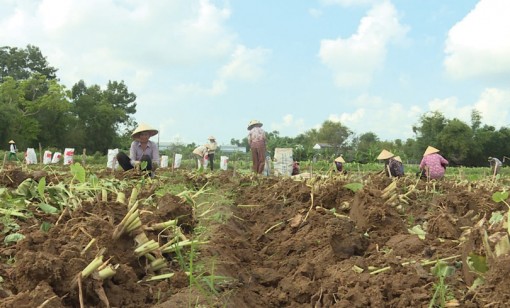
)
(392, 166)
(12, 150)
(339, 164)
(142, 150)
(494, 163)
(211, 147)
(295, 168)
(397, 158)
(200, 154)
(433, 165)
(257, 142)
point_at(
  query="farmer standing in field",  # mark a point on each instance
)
(257, 142)
(392, 165)
(142, 150)
(211, 147)
(495, 164)
(433, 165)
(12, 149)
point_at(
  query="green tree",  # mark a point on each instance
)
(100, 114)
(22, 63)
(366, 147)
(427, 131)
(456, 141)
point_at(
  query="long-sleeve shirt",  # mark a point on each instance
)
(256, 137)
(212, 146)
(200, 151)
(396, 167)
(136, 152)
(436, 165)
(495, 161)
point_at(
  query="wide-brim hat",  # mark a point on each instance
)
(490, 158)
(340, 159)
(11, 141)
(385, 154)
(211, 138)
(144, 128)
(397, 158)
(430, 150)
(254, 123)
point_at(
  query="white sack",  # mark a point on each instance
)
(164, 161)
(68, 156)
(30, 156)
(47, 157)
(56, 157)
(177, 161)
(223, 162)
(112, 158)
(283, 161)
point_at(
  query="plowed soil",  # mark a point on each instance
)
(283, 243)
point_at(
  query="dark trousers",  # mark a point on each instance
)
(211, 160)
(125, 161)
(258, 156)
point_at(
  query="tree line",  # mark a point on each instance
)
(36, 109)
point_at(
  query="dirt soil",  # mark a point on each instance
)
(286, 243)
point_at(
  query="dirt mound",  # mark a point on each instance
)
(285, 243)
(47, 263)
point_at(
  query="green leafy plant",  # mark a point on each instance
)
(442, 293)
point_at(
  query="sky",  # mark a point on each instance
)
(205, 67)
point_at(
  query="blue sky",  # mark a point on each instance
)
(206, 67)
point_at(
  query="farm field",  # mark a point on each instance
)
(355, 240)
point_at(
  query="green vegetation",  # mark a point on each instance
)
(36, 110)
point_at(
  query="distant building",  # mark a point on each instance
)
(232, 149)
(166, 145)
(319, 146)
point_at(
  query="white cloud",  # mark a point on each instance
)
(493, 105)
(479, 44)
(101, 40)
(355, 59)
(316, 13)
(289, 123)
(387, 120)
(245, 64)
(347, 2)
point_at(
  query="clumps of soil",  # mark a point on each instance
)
(47, 263)
(293, 243)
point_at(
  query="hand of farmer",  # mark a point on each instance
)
(137, 165)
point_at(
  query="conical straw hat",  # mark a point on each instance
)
(254, 123)
(385, 155)
(397, 158)
(430, 150)
(340, 159)
(144, 128)
(12, 141)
